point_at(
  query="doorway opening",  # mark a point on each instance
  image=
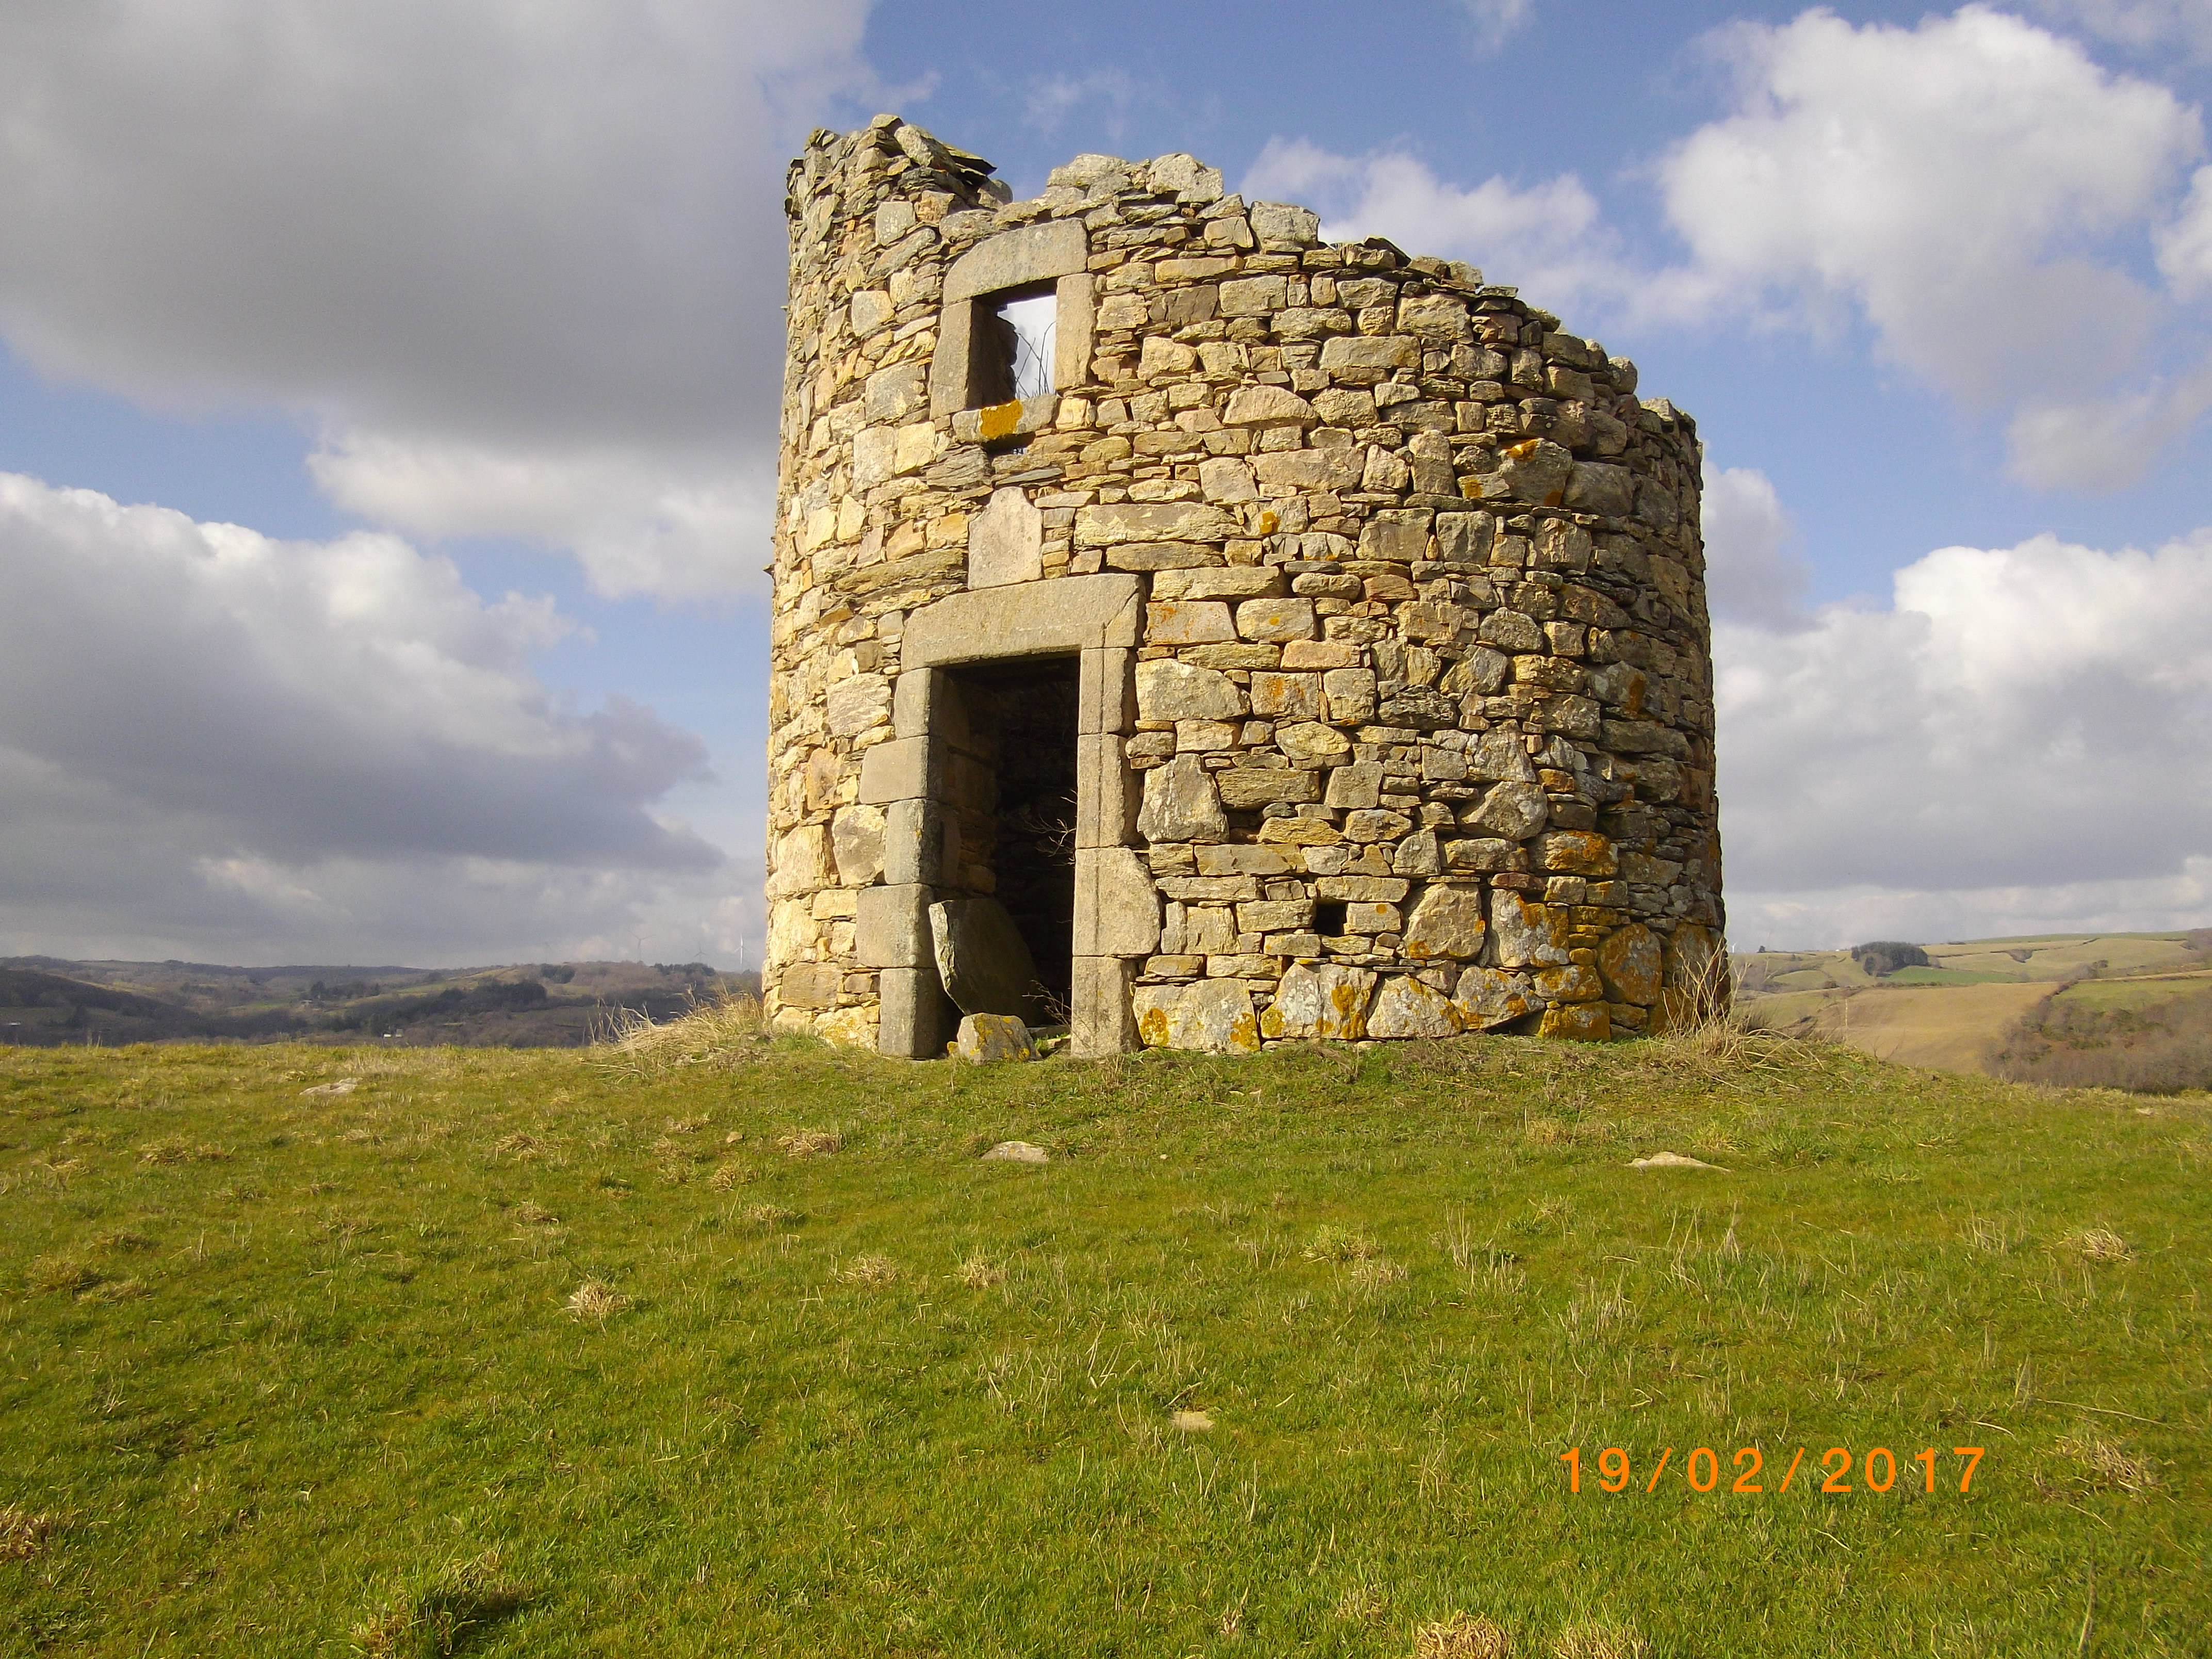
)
(1011, 783)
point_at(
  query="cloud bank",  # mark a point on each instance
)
(520, 263)
(1974, 191)
(212, 742)
(2022, 740)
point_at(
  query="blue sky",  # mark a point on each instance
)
(466, 316)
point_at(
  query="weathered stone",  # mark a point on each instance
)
(1287, 697)
(1226, 479)
(1323, 1001)
(1607, 491)
(1006, 541)
(1351, 694)
(1266, 405)
(856, 704)
(1575, 853)
(856, 839)
(1510, 811)
(1447, 922)
(1171, 691)
(987, 1037)
(982, 960)
(1187, 622)
(1370, 355)
(1359, 784)
(1243, 860)
(1535, 471)
(1408, 1008)
(1280, 223)
(1487, 999)
(1577, 1022)
(1152, 521)
(1376, 823)
(1631, 959)
(1527, 934)
(1117, 908)
(1310, 740)
(1245, 787)
(1212, 1016)
(1465, 537)
(1481, 854)
(1420, 854)
(1017, 1152)
(1287, 472)
(1181, 803)
(1275, 619)
(1573, 983)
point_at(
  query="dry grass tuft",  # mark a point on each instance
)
(2108, 1464)
(719, 1033)
(48, 1274)
(115, 1290)
(772, 1215)
(1334, 1244)
(979, 1273)
(810, 1143)
(868, 1270)
(2099, 1245)
(1462, 1637)
(1600, 1642)
(1363, 1603)
(595, 1300)
(728, 1175)
(519, 1146)
(23, 1534)
(436, 1617)
(535, 1215)
(178, 1151)
(1373, 1272)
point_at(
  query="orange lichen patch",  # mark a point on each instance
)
(1152, 1027)
(999, 420)
(1579, 1022)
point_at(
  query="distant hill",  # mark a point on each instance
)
(2123, 1010)
(48, 1001)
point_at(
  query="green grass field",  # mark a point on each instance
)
(559, 1353)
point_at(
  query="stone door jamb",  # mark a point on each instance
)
(1097, 620)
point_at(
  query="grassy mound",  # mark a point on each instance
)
(701, 1343)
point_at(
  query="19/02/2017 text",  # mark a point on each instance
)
(1701, 1470)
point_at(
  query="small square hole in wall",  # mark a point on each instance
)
(1328, 918)
(1015, 335)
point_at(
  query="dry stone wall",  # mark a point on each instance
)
(1388, 591)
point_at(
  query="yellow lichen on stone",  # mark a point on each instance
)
(999, 420)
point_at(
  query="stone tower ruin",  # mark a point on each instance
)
(1284, 640)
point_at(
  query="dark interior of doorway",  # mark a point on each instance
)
(1023, 714)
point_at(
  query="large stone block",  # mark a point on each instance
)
(1535, 471)
(1577, 1022)
(1245, 787)
(982, 960)
(1015, 259)
(1287, 698)
(1510, 811)
(1188, 622)
(912, 1014)
(1006, 541)
(856, 841)
(1275, 620)
(897, 770)
(1488, 998)
(1117, 908)
(890, 927)
(1447, 922)
(1266, 405)
(1181, 803)
(1213, 1016)
(1326, 1001)
(1069, 613)
(1288, 471)
(1408, 1008)
(1171, 691)
(1527, 935)
(1112, 524)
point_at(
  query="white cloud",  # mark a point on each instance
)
(1974, 190)
(1052, 100)
(523, 237)
(2025, 736)
(1954, 182)
(210, 738)
(1754, 572)
(2142, 24)
(1497, 22)
(1548, 239)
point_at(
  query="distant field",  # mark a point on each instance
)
(47, 1001)
(739, 1347)
(2083, 1009)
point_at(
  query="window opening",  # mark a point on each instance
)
(1328, 918)
(1015, 334)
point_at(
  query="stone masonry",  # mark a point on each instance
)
(1378, 598)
